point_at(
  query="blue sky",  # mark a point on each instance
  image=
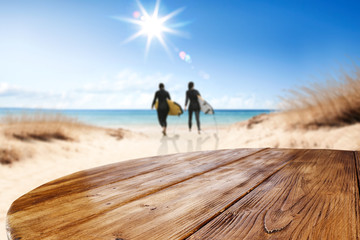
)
(244, 54)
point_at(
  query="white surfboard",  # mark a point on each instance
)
(205, 107)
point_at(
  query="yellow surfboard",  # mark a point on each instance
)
(175, 108)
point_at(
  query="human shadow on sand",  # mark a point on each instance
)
(170, 144)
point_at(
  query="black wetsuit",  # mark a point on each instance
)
(163, 107)
(194, 106)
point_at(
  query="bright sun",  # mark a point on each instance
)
(152, 25)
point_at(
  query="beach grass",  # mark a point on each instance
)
(20, 133)
(8, 156)
(117, 133)
(39, 126)
(334, 103)
(33, 127)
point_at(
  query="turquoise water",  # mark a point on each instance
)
(119, 118)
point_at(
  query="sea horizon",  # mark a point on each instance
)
(130, 117)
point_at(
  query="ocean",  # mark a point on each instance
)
(123, 118)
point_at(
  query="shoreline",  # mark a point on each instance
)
(136, 117)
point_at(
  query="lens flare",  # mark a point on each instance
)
(136, 14)
(182, 55)
(187, 58)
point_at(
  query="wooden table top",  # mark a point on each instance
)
(223, 194)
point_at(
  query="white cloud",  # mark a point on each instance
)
(3, 87)
(131, 80)
(269, 104)
(204, 75)
(9, 90)
(127, 89)
(127, 80)
(241, 102)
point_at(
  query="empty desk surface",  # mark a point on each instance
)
(223, 194)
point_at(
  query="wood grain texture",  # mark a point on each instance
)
(357, 197)
(357, 164)
(85, 195)
(224, 194)
(179, 210)
(316, 196)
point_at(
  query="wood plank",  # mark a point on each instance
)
(357, 196)
(313, 197)
(117, 184)
(92, 178)
(83, 181)
(176, 211)
(357, 163)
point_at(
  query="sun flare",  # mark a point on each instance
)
(152, 26)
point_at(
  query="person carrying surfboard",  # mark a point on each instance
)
(162, 108)
(194, 106)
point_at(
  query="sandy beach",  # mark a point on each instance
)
(79, 81)
(39, 161)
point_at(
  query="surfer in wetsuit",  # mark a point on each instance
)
(194, 106)
(163, 108)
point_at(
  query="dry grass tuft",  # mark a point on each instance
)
(8, 156)
(256, 120)
(117, 133)
(42, 127)
(336, 103)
